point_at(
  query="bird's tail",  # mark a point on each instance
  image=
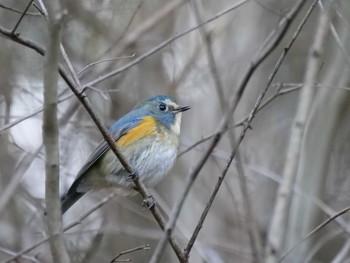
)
(68, 199)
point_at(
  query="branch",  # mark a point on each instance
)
(37, 111)
(274, 39)
(17, 11)
(162, 45)
(22, 16)
(66, 228)
(144, 247)
(276, 234)
(50, 136)
(318, 228)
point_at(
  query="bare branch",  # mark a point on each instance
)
(17, 11)
(162, 45)
(316, 229)
(51, 134)
(20, 19)
(144, 247)
(66, 228)
(10, 125)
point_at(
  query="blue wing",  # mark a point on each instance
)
(118, 129)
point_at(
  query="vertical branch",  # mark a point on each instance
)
(50, 135)
(276, 234)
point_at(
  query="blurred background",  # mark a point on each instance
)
(119, 31)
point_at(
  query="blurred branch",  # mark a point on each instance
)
(276, 233)
(51, 134)
(17, 11)
(23, 166)
(66, 228)
(274, 39)
(10, 125)
(43, 10)
(316, 229)
(22, 16)
(338, 11)
(129, 24)
(129, 39)
(102, 61)
(9, 191)
(321, 242)
(11, 253)
(144, 247)
(343, 253)
(336, 35)
(162, 45)
(209, 52)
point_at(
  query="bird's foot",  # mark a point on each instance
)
(133, 175)
(148, 202)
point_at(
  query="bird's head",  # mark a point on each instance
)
(165, 111)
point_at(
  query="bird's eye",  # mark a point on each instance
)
(163, 107)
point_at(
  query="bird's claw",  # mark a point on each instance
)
(133, 175)
(148, 202)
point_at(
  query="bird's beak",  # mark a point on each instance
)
(181, 108)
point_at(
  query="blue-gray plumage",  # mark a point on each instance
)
(148, 138)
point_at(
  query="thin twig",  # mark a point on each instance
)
(43, 10)
(103, 61)
(316, 229)
(10, 188)
(17, 11)
(336, 36)
(144, 247)
(132, 37)
(66, 228)
(257, 60)
(20, 19)
(162, 45)
(343, 253)
(10, 125)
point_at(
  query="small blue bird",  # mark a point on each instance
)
(148, 137)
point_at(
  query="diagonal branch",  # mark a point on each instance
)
(22, 16)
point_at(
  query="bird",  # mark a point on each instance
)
(148, 138)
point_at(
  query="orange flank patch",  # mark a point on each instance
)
(147, 127)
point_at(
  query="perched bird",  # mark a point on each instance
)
(148, 137)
